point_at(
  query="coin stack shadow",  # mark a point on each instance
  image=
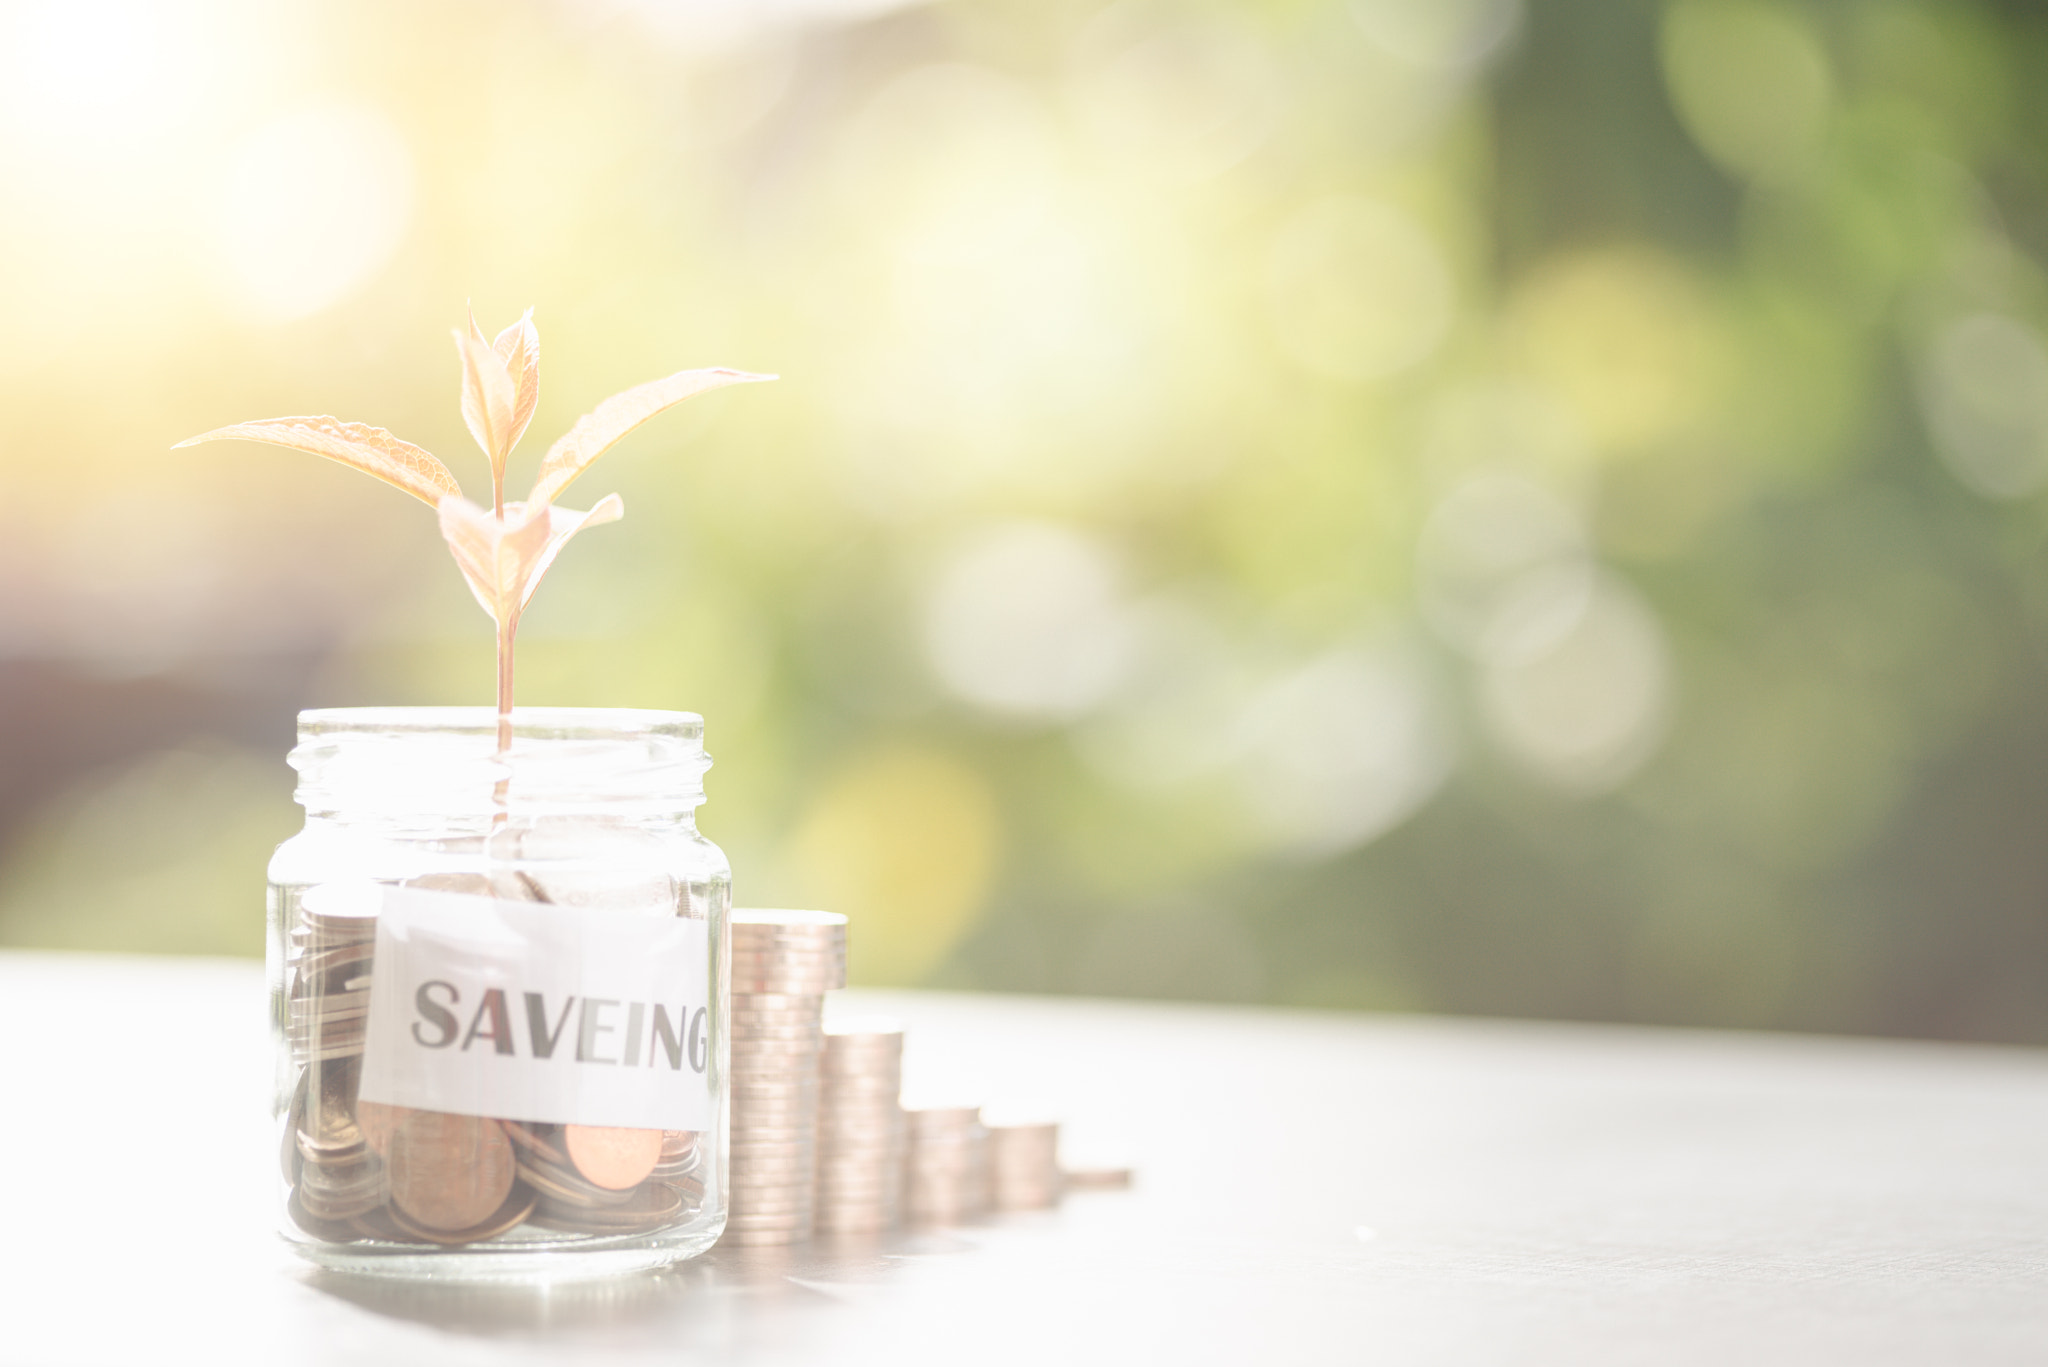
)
(945, 1171)
(1023, 1164)
(783, 964)
(860, 1128)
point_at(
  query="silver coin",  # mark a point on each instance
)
(873, 1186)
(810, 956)
(766, 1101)
(835, 1110)
(756, 1174)
(777, 1133)
(786, 1095)
(755, 919)
(764, 1021)
(840, 1163)
(791, 1218)
(771, 982)
(763, 1098)
(867, 1111)
(789, 1185)
(777, 1006)
(783, 977)
(766, 1116)
(792, 1153)
(799, 1050)
(780, 1164)
(768, 1184)
(804, 953)
(743, 1033)
(854, 1134)
(871, 1147)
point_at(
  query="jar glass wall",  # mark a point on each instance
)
(498, 996)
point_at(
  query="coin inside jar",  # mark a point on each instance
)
(449, 1172)
(517, 1206)
(377, 1122)
(614, 1159)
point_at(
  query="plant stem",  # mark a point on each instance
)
(507, 629)
(505, 634)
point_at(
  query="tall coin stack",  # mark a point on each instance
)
(945, 1171)
(1023, 1164)
(783, 964)
(860, 1128)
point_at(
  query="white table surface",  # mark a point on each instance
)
(1312, 1188)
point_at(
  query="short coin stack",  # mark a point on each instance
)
(783, 964)
(1023, 1164)
(860, 1128)
(945, 1173)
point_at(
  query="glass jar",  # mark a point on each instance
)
(498, 994)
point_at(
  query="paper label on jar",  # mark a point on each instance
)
(531, 1012)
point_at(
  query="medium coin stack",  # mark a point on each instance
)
(329, 994)
(335, 1175)
(1023, 1164)
(860, 1128)
(945, 1171)
(783, 964)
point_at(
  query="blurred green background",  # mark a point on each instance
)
(1457, 505)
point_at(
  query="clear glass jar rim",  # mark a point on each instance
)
(552, 723)
(427, 762)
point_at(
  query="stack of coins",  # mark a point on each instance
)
(783, 964)
(860, 1128)
(1023, 1164)
(328, 1001)
(334, 1174)
(945, 1171)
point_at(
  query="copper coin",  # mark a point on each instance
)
(378, 1121)
(517, 1205)
(294, 1115)
(326, 1230)
(614, 1159)
(652, 1206)
(449, 1172)
(562, 1184)
(537, 1140)
(327, 1130)
(378, 1224)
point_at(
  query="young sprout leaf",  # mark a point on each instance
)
(372, 450)
(518, 346)
(600, 429)
(502, 550)
(490, 399)
(503, 559)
